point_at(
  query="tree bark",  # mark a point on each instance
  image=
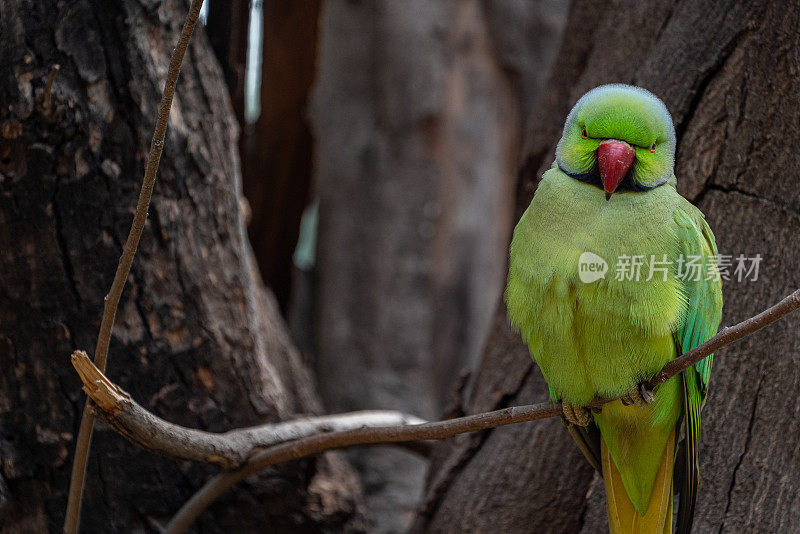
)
(197, 338)
(728, 73)
(379, 68)
(417, 115)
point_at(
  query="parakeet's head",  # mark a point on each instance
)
(618, 138)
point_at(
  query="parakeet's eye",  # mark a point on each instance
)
(585, 135)
(653, 147)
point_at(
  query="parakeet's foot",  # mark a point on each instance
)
(640, 396)
(577, 415)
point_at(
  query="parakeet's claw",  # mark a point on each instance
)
(640, 396)
(577, 415)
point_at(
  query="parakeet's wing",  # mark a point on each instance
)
(704, 309)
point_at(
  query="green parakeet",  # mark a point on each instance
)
(601, 290)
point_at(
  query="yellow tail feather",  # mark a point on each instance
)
(622, 516)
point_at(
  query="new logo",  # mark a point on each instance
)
(591, 267)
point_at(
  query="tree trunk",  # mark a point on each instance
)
(198, 340)
(379, 63)
(728, 72)
(277, 149)
(418, 121)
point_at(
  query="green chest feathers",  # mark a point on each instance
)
(592, 286)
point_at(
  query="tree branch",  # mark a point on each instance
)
(443, 429)
(78, 477)
(227, 450)
(296, 439)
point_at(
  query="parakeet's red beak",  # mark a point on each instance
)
(614, 159)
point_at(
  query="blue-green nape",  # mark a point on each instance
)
(625, 113)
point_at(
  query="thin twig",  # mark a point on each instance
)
(78, 478)
(726, 336)
(443, 429)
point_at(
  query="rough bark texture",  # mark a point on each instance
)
(418, 119)
(728, 72)
(198, 340)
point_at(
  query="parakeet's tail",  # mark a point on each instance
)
(622, 516)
